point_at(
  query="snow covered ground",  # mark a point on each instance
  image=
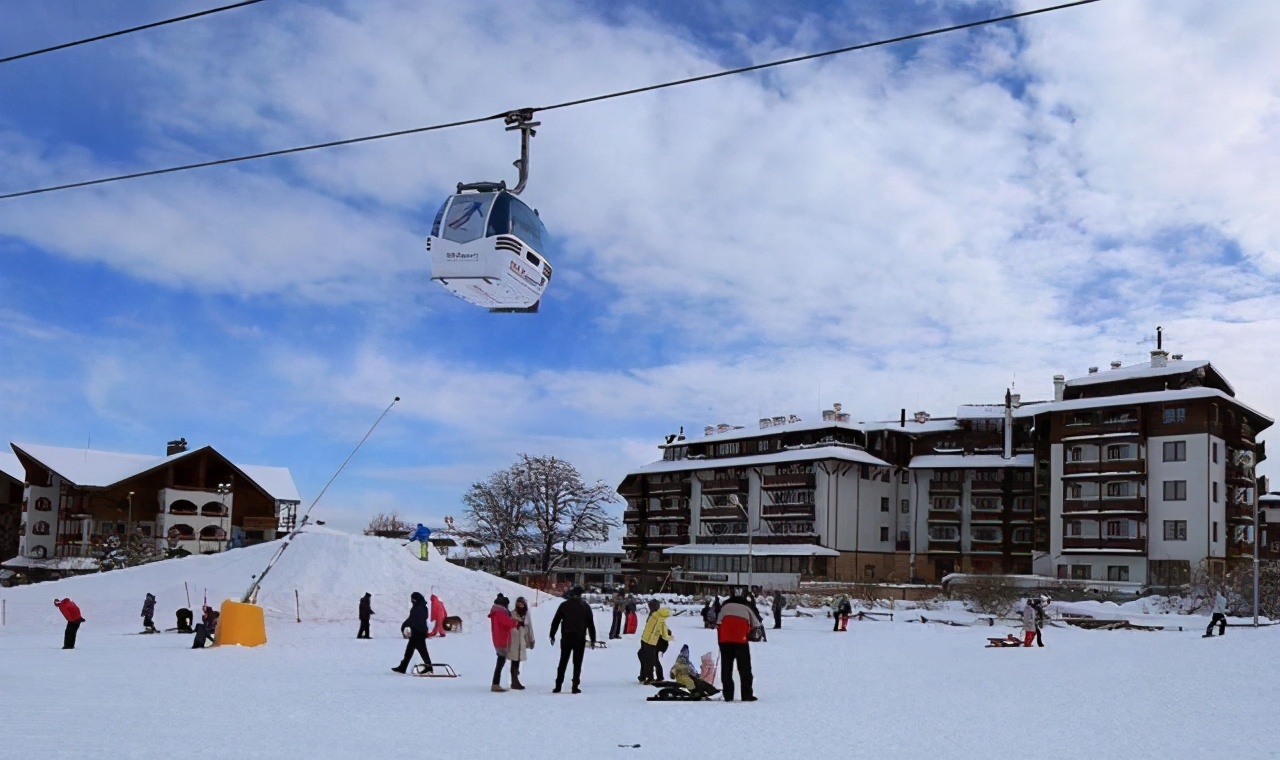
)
(885, 689)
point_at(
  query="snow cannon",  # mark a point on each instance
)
(241, 624)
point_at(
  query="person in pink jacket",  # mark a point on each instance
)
(501, 624)
(438, 614)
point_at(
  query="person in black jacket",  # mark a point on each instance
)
(778, 603)
(578, 621)
(366, 610)
(416, 624)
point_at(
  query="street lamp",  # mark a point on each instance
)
(128, 526)
(223, 490)
(751, 562)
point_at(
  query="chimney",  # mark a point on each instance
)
(1093, 370)
(921, 417)
(779, 420)
(902, 421)
(842, 416)
(723, 427)
(175, 447)
(835, 407)
(1116, 365)
(765, 422)
(1176, 357)
(708, 430)
(1159, 357)
(1059, 387)
(828, 415)
(792, 418)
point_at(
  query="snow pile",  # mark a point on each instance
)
(328, 570)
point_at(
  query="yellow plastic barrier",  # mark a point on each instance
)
(241, 624)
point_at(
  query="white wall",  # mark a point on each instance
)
(28, 543)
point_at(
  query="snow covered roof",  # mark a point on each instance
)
(1142, 370)
(277, 481)
(609, 546)
(946, 461)
(758, 550)
(932, 425)
(790, 455)
(1130, 399)
(979, 411)
(9, 465)
(90, 468)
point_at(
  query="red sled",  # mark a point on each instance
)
(631, 623)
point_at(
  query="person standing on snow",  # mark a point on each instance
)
(653, 641)
(841, 609)
(630, 609)
(1028, 623)
(366, 611)
(1219, 616)
(578, 620)
(1039, 603)
(149, 611)
(438, 614)
(619, 604)
(735, 622)
(71, 612)
(501, 626)
(416, 625)
(779, 602)
(207, 628)
(521, 640)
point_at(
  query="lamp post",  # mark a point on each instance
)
(223, 490)
(1256, 538)
(128, 525)
(751, 562)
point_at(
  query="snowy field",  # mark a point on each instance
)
(883, 689)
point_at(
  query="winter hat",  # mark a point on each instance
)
(575, 591)
(417, 597)
(654, 604)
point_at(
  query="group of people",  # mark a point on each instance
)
(436, 616)
(204, 631)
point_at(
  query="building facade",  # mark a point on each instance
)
(197, 501)
(1129, 476)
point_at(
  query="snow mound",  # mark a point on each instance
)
(320, 577)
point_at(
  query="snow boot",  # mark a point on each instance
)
(399, 668)
(515, 683)
(496, 687)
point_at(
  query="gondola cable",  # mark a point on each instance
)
(566, 104)
(131, 30)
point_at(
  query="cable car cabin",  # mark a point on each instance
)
(486, 249)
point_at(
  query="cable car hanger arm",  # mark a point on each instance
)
(521, 120)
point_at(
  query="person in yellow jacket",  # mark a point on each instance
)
(653, 642)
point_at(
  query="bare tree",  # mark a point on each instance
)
(382, 525)
(564, 509)
(500, 517)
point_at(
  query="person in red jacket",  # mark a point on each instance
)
(734, 623)
(501, 623)
(71, 612)
(438, 614)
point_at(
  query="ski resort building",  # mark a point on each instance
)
(1130, 476)
(11, 476)
(196, 501)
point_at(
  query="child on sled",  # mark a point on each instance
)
(687, 683)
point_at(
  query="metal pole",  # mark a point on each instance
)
(1256, 539)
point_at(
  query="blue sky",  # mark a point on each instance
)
(913, 227)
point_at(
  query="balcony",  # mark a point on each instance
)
(1095, 543)
(1130, 467)
(986, 516)
(986, 486)
(632, 516)
(669, 514)
(668, 488)
(734, 485)
(1102, 427)
(800, 480)
(789, 510)
(944, 515)
(944, 486)
(1106, 504)
(670, 539)
(1237, 474)
(1240, 512)
(1236, 549)
(985, 547)
(721, 513)
(947, 546)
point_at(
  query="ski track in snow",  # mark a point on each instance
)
(883, 689)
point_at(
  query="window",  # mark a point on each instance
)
(1080, 418)
(884, 503)
(1175, 490)
(1169, 572)
(1176, 451)
(1118, 490)
(728, 449)
(1022, 535)
(1119, 451)
(1081, 572)
(1122, 529)
(869, 571)
(1075, 454)
(1074, 528)
(1174, 414)
(884, 534)
(946, 502)
(1064, 571)
(984, 533)
(1175, 530)
(904, 536)
(1117, 572)
(944, 533)
(906, 507)
(1215, 452)
(1215, 531)
(905, 477)
(1215, 492)
(1075, 491)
